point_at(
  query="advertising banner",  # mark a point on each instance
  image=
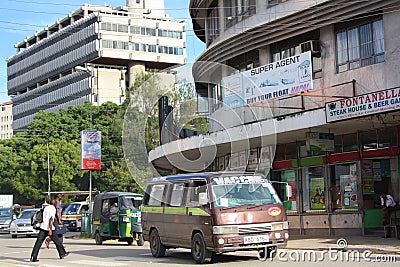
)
(6, 201)
(320, 141)
(90, 150)
(348, 191)
(317, 193)
(363, 105)
(278, 79)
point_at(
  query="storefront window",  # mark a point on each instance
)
(368, 140)
(338, 144)
(286, 176)
(344, 186)
(291, 151)
(375, 180)
(350, 142)
(313, 188)
(387, 137)
(280, 152)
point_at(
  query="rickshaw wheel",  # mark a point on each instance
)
(97, 237)
(140, 241)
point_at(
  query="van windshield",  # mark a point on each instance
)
(238, 192)
(72, 209)
(130, 203)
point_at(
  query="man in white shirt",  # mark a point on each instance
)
(46, 229)
(388, 205)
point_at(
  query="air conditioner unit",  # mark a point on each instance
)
(312, 45)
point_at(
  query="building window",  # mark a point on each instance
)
(170, 34)
(122, 28)
(368, 140)
(236, 10)
(289, 177)
(170, 50)
(350, 142)
(271, 3)
(212, 25)
(344, 186)
(360, 46)
(387, 137)
(248, 7)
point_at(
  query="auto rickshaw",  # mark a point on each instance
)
(117, 215)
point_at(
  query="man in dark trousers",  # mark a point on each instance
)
(57, 220)
(46, 229)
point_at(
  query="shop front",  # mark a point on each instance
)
(338, 192)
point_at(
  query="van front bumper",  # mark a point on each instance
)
(229, 243)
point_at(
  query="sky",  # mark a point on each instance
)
(22, 18)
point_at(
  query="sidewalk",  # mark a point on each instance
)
(375, 244)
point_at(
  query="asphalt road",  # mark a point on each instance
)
(84, 252)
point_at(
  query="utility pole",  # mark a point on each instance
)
(89, 70)
(48, 171)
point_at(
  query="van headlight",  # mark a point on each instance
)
(225, 230)
(285, 225)
(279, 226)
(126, 219)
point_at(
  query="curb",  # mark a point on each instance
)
(373, 251)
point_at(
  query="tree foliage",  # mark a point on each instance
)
(24, 168)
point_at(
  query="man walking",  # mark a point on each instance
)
(46, 229)
(57, 220)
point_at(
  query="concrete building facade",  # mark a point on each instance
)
(113, 44)
(6, 119)
(336, 141)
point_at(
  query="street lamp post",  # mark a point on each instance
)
(89, 70)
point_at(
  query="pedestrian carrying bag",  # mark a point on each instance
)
(61, 229)
(37, 219)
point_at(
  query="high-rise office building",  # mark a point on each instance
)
(112, 44)
(6, 120)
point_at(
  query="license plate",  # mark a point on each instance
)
(256, 239)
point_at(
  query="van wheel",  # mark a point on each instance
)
(98, 238)
(156, 247)
(200, 253)
(140, 241)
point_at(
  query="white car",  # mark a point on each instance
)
(5, 219)
(22, 225)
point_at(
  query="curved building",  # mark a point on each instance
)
(327, 72)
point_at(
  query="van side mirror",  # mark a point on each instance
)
(288, 191)
(203, 200)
